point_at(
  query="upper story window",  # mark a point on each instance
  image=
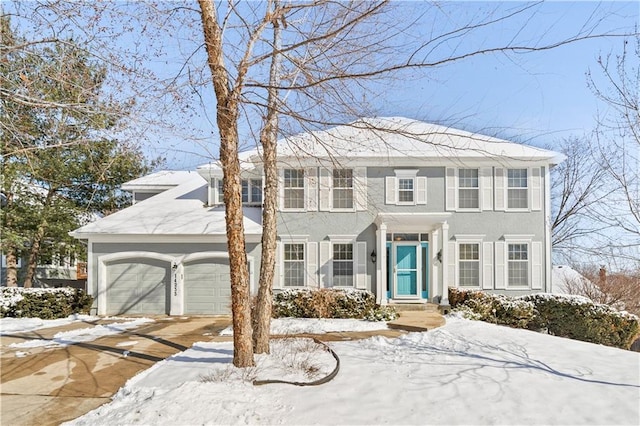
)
(252, 191)
(469, 264)
(517, 189)
(342, 265)
(468, 189)
(518, 265)
(406, 188)
(343, 189)
(294, 189)
(294, 269)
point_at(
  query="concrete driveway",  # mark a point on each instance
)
(50, 386)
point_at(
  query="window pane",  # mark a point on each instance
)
(468, 198)
(468, 178)
(343, 189)
(518, 252)
(469, 273)
(517, 178)
(343, 265)
(293, 189)
(256, 191)
(405, 190)
(518, 273)
(518, 198)
(220, 192)
(245, 191)
(518, 265)
(294, 265)
(469, 252)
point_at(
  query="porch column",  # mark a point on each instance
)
(444, 301)
(381, 264)
(435, 268)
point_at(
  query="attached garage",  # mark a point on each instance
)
(138, 286)
(207, 287)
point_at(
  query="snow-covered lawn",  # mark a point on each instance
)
(463, 373)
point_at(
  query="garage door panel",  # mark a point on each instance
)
(138, 286)
(207, 287)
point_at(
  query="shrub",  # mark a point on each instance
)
(495, 308)
(45, 303)
(329, 303)
(574, 317)
(579, 318)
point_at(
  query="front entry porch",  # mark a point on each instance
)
(409, 269)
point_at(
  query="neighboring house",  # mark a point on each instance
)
(566, 280)
(399, 207)
(53, 270)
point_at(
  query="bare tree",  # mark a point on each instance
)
(618, 133)
(577, 188)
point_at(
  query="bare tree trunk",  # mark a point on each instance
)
(268, 139)
(227, 119)
(12, 266)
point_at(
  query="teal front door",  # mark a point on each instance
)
(406, 270)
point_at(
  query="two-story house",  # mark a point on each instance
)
(399, 207)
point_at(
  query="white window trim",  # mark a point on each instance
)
(518, 239)
(406, 174)
(294, 240)
(470, 239)
(478, 188)
(250, 187)
(304, 187)
(506, 190)
(485, 189)
(353, 191)
(392, 188)
(354, 253)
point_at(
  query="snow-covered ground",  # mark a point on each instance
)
(463, 373)
(64, 338)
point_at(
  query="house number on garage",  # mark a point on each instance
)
(175, 284)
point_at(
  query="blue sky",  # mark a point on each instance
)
(537, 98)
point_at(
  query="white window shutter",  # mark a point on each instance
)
(421, 190)
(360, 188)
(281, 189)
(487, 266)
(536, 265)
(311, 176)
(486, 181)
(501, 268)
(451, 177)
(325, 264)
(312, 264)
(325, 189)
(451, 264)
(500, 188)
(390, 190)
(277, 271)
(361, 264)
(536, 189)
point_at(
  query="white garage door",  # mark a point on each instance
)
(138, 286)
(207, 287)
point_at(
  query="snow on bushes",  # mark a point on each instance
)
(579, 318)
(330, 303)
(574, 317)
(495, 308)
(44, 303)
